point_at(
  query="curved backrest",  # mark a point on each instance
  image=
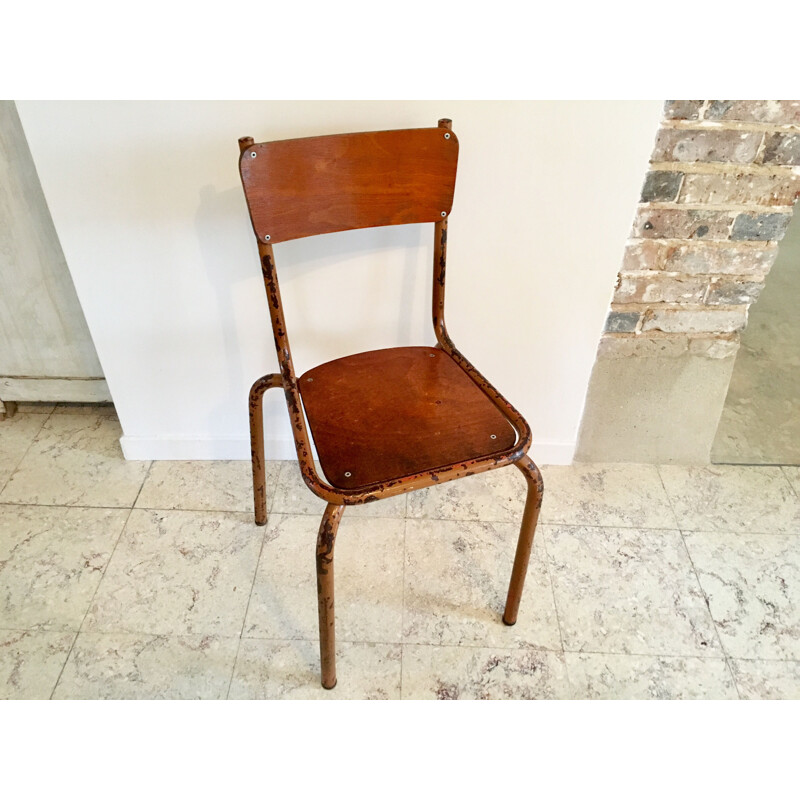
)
(304, 187)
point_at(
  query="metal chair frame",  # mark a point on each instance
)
(338, 498)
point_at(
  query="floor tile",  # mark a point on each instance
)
(30, 663)
(292, 496)
(275, 670)
(471, 673)
(456, 581)
(51, 562)
(753, 588)
(76, 460)
(495, 496)
(368, 561)
(16, 436)
(204, 485)
(767, 680)
(600, 676)
(623, 590)
(617, 495)
(120, 666)
(732, 498)
(179, 573)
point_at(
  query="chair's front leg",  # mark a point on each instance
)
(257, 443)
(327, 633)
(533, 504)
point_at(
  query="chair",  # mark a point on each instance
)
(388, 421)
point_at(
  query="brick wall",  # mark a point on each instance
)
(717, 199)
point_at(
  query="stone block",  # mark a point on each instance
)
(661, 186)
(698, 258)
(739, 188)
(782, 149)
(773, 112)
(656, 408)
(760, 227)
(695, 320)
(658, 287)
(725, 146)
(622, 321)
(627, 346)
(714, 346)
(683, 109)
(733, 293)
(668, 223)
(660, 345)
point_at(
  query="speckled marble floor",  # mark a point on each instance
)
(138, 580)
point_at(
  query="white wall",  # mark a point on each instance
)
(148, 205)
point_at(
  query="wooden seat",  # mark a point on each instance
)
(389, 421)
(387, 414)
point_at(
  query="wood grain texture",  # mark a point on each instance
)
(304, 187)
(385, 414)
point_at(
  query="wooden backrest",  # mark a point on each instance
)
(304, 187)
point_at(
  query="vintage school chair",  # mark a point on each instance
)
(389, 421)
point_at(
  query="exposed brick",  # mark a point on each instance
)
(760, 227)
(668, 223)
(740, 188)
(698, 258)
(622, 321)
(657, 287)
(738, 147)
(733, 293)
(661, 186)
(782, 148)
(773, 112)
(643, 255)
(683, 109)
(694, 320)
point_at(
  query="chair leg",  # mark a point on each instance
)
(257, 444)
(327, 633)
(533, 504)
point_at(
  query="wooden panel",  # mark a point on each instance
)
(386, 414)
(43, 332)
(303, 187)
(63, 390)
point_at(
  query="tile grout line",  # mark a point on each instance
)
(247, 607)
(700, 586)
(27, 450)
(669, 499)
(403, 604)
(713, 621)
(555, 608)
(99, 583)
(786, 478)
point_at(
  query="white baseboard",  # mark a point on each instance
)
(148, 448)
(552, 452)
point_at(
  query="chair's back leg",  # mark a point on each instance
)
(257, 443)
(327, 632)
(530, 517)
